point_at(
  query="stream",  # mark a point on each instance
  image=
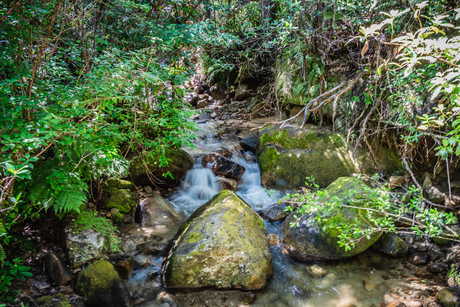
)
(360, 281)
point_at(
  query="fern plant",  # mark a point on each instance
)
(90, 220)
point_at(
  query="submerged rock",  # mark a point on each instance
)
(101, 285)
(145, 170)
(309, 241)
(222, 244)
(287, 156)
(222, 166)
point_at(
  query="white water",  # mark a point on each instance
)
(199, 186)
(250, 188)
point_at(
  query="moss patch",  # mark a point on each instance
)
(122, 199)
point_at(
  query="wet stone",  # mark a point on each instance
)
(437, 267)
(368, 286)
(419, 258)
(273, 239)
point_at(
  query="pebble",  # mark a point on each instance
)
(368, 286)
(317, 271)
(41, 285)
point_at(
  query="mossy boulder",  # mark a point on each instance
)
(310, 240)
(449, 297)
(287, 156)
(147, 169)
(121, 199)
(101, 285)
(223, 245)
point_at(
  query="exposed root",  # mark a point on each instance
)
(306, 110)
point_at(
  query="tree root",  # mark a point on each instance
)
(344, 86)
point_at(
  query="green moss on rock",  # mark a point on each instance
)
(287, 156)
(145, 167)
(121, 199)
(309, 240)
(223, 244)
(101, 285)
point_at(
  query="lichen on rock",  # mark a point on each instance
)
(223, 245)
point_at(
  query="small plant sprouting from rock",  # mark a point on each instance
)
(100, 224)
(375, 209)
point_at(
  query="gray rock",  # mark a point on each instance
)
(84, 246)
(222, 166)
(227, 183)
(391, 244)
(217, 93)
(242, 92)
(276, 213)
(434, 195)
(57, 269)
(437, 267)
(101, 285)
(159, 215)
(41, 285)
(202, 104)
(251, 142)
(124, 264)
(193, 99)
(148, 189)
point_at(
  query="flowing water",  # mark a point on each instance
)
(361, 281)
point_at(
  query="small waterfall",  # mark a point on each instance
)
(250, 188)
(199, 186)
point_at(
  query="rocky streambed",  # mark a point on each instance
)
(221, 238)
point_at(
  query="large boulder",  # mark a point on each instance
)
(84, 246)
(287, 156)
(222, 166)
(310, 240)
(157, 213)
(222, 244)
(146, 169)
(101, 285)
